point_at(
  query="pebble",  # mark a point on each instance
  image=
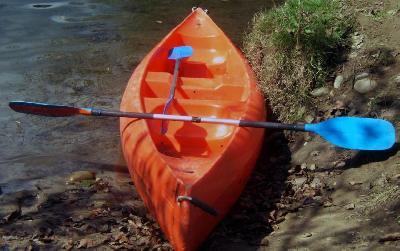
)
(338, 82)
(315, 153)
(303, 166)
(312, 167)
(339, 104)
(307, 235)
(365, 85)
(83, 243)
(361, 76)
(389, 114)
(350, 206)
(159, 21)
(299, 182)
(316, 183)
(340, 164)
(318, 92)
(357, 41)
(82, 175)
(309, 119)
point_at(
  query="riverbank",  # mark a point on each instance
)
(310, 195)
(304, 194)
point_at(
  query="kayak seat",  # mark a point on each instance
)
(215, 60)
(184, 139)
(157, 85)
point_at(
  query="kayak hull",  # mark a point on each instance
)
(210, 163)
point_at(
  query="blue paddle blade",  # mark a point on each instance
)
(180, 52)
(356, 133)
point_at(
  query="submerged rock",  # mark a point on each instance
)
(82, 175)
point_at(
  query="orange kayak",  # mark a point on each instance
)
(190, 176)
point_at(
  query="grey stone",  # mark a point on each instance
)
(350, 206)
(365, 85)
(340, 164)
(338, 81)
(361, 75)
(312, 167)
(81, 175)
(309, 119)
(316, 183)
(357, 41)
(298, 182)
(389, 114)
(318, 92)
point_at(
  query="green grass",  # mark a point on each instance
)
(293, 48)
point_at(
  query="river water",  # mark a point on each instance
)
(80, 53)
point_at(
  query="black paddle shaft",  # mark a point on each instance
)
(106, 113)
(272, 125)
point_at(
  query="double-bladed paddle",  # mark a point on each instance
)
(346, 132)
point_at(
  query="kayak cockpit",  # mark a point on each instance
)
(212, 82)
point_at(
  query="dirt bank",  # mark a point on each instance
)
(310, 195)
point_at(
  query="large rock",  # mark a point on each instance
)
(365, 85)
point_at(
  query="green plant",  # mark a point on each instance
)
(292, 49)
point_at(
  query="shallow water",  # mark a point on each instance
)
(81, 53)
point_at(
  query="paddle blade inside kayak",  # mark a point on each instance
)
(180, 52)
(356, 133)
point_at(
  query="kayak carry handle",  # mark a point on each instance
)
(198, 203)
